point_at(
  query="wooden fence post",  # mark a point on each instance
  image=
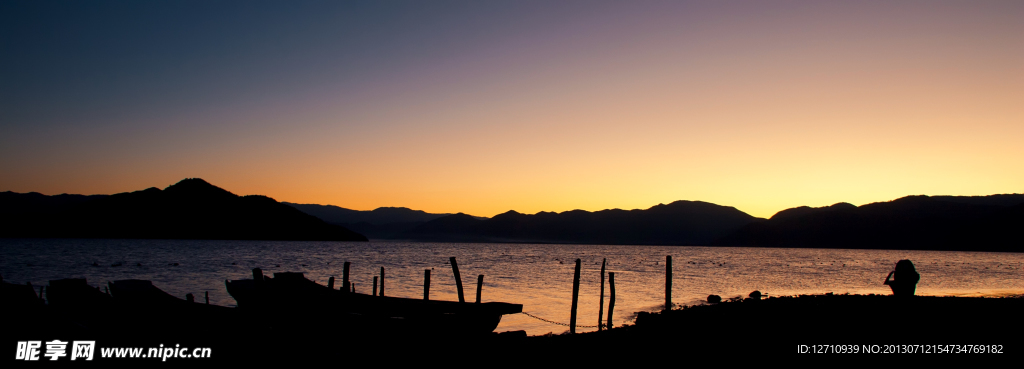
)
(344, 278)
(600, 303)
(668, 282)
(458, 279)
(330, 283)
(426, 284)
(479, 287)
(375, 285)
(575, 297)
(382, 281)
(611, 299)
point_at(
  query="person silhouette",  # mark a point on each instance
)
(903, 280)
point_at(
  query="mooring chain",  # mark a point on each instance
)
(553, 322)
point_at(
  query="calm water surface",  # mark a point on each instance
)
(537, 276)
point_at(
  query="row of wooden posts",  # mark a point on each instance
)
(347, 286)
(600, 309)
(611, 302)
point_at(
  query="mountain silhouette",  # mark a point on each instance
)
(678, 223)
(379, 216)
(189, 209)
(379, 223)
(195, 209)
(974, 223)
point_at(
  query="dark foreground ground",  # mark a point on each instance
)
(810, 329)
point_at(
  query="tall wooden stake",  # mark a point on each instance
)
(374, 285)
(458, 279)
(330, 283)
(382, 281)
(344, 278)
(611, 299)
(575, 297)
(479, 287)
(668, 282)
(426, 284)
(600, 303)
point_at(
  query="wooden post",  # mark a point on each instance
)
(458, 279)
(479, 287)
(426, 284)
(575, 297)
(207, 297)
(344, 278)
(611, 299)
(375, 285)
(600, 303)
(190, 297)
(382, 281)
(353, 284)
(668, 282)
(330, 283)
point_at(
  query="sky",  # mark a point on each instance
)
(485, 107)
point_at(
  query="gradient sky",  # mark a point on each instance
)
(482, 107)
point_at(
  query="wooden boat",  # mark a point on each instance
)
(79, 305)
(137, 293)
(141, 292)
(141, 309)
(291, 294)
(22, 310)
(16, 297)
(75, 294)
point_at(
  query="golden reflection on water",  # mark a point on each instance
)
(537, 276)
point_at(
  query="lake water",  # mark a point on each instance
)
(537, 276)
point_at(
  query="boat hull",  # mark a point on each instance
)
(291, 295)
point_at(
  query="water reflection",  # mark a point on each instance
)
(537, 276)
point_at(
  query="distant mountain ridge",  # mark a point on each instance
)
(678, 223)
(189, 209)
(379, 216)
(379, 223)
(968, 223)
(194, 209)
(972, 223)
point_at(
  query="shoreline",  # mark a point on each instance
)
(827, 325)
(773, 327)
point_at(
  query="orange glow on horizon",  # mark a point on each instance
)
(762, 111)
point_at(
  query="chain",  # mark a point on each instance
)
(553, 322)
